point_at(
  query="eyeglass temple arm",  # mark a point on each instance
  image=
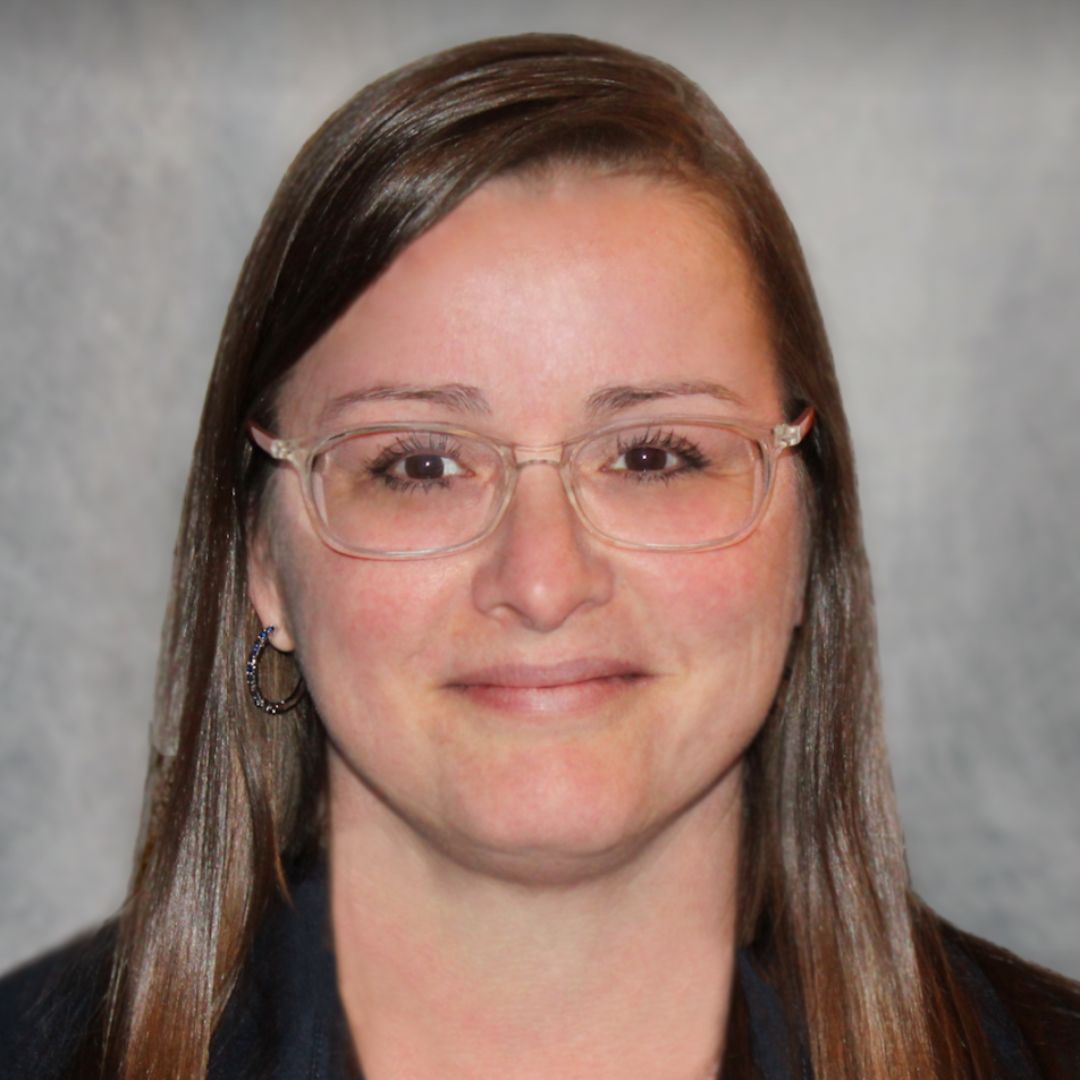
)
(789, 435)
(266, 442)
(784, 435)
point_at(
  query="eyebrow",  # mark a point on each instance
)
(458, 397)
(611, 399)
(463, 398)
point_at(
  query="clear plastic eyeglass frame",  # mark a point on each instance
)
(302, 453)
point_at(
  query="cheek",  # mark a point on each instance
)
(353, 614)
(337, 604)
(730, 615)
(363, 641)
(747, 594)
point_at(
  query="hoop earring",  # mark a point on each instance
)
(252, 672)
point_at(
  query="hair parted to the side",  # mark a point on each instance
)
(824, 889)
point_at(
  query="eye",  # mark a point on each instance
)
(420, 460)
(427, 466)
(647, 459)
(657, 453)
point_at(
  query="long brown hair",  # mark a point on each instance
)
(231, 800)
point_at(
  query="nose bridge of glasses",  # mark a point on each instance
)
(558, 457)
(537, 455)
(555, 455)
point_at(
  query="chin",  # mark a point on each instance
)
(548, 818)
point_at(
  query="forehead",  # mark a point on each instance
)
(538, 293)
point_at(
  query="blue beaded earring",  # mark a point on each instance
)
(252, 672)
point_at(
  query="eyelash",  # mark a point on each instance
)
(389, 457)
(692, 458)
(691, 454)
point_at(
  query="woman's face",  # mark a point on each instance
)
(542, 703)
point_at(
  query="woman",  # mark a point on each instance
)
(557, 751)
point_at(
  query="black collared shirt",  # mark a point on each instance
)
(285, 1020)
(287, 1016)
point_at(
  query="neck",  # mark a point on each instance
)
(447, 969)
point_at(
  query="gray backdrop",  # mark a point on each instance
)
(931, 159)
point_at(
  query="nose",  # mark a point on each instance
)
(540, 566)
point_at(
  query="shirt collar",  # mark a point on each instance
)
(287, 1016)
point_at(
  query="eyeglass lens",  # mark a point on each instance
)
(653, 485)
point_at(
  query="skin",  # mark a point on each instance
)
(539, 880)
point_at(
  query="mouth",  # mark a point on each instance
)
(568, 687)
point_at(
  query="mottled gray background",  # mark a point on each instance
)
(930, 156)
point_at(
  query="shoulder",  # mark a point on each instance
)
(1039, 1005)
(46, 1005)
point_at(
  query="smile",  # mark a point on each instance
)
(569, 687)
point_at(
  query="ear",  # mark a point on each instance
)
(264, 586)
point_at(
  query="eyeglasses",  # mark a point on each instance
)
(412, 491)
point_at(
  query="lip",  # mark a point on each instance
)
(541, 676)
(570, 686)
